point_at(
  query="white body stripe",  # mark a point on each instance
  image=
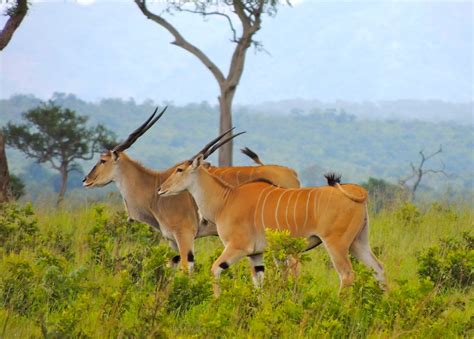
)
(256, 206)
(316, 201)
(294, 208)
(287, 205)
(307, 208)
(263, 204)
(276, 208)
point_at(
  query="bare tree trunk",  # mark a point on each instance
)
(5, 193)
(15, 18)
(416, 184)
(64, 176)
(249, 14)
(225, 104)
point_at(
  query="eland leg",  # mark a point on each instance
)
(258, 269)
(228, 257)
(360, 249)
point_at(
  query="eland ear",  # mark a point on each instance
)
(197, 161)
(115, 155)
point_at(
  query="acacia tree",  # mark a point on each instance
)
(418, 172)
(59, 137)
(247, 14)
(16, 12)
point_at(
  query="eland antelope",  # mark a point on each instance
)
(335, 214)
(175, 217)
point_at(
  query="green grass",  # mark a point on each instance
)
(86, 272)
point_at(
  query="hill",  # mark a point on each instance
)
(311, 143)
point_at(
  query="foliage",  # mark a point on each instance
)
(17, 186)
(449, 264)
(18, 228)
(91, 273)
(383, 194)
(57, 136)
(408, 215)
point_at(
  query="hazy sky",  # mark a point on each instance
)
(350, 50)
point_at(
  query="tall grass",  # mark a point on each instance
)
(87, 272)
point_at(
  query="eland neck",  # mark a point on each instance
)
(209, 192)
(136, 183)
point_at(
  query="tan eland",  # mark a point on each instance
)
(335, 214)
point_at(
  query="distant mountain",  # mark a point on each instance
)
(356, 51)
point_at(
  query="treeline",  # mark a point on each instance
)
(311, 143)
(425, 110)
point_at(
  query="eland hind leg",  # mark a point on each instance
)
(360, 249)
(339, 253)
(258, 269)
(338, 244)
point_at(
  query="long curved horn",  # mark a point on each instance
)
(139, 131)
(211, 143)
(219, 144)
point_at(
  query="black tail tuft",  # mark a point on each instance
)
(333, 178)
(251, 154)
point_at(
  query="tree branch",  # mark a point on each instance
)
(239, 9)
(204, 14)
(433, 154)
(16, 14)
(180, 41)
(419, 172)
(249, 29)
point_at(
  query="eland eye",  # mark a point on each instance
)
(178, 170)
(102, 161)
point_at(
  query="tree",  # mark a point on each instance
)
(248, 14)
(17, 186)
(418, 172)
(5, 193)
(383, 194)
(59, 137)
(16, 13)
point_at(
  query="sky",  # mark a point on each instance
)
(317, 50)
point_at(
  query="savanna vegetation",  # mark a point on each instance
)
(83, 270)
(87, 272)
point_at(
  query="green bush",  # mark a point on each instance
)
(450, 264)
(18, 228)
(17, 186)
(408, 215)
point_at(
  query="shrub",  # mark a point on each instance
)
(450, 264)
(284, 251)
(408, 215)
(187, 292)
(383, 194)
(18, 227)
(17, 186)
(20, 289)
